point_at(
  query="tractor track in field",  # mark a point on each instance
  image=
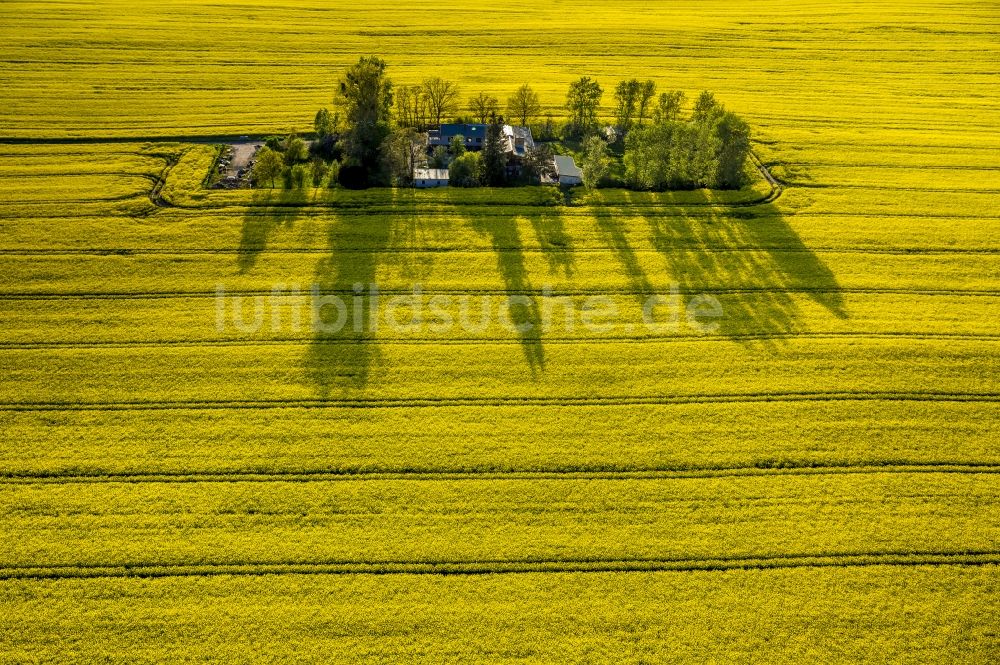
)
(560, 401)
(156, 193)
(500, 566)
(427, 475)
(776, 187)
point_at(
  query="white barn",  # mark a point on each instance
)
(430, 178)
(567, 171)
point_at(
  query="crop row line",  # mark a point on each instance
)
(692, 290)
(903, 167)
(489, 210)
(472, 341)
(330, 206)
(561, 401)
(82, 174)
(893, 188)
(593, 249)
(502, 566)
(661, 211)
(132, 196)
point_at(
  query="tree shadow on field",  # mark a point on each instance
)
(555, 243)
(269, 210)
(409, 238)
(747, 256)
(343, 314)
(521, 301)
(613, 227)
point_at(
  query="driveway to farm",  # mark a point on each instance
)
(242, 154)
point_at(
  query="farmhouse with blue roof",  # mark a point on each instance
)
(516, 142)
(474, 134)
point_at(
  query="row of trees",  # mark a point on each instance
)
(293, 162)
(436, 99)
(709, 149)
(379, 127)
(375, 130)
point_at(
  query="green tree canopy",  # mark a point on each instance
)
(705, 108)
(494, 155)
(365, 96)
(671, 155)
(466, 170)
(733, 134)
(324, 123)
(647, 90)
(627, 95)
(296, 150)
(594, 163)
(300, 174)
(267, 166)
(402, 151)
(582, 102)
(440, 158)
(318, 170)
(669, 105)
(538, 163)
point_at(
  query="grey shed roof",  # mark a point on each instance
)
(565, 166)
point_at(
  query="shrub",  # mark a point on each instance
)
(301, 174)
(295, 150)
(466, 170)
(327, 148)
(333, 175)
(440, 158)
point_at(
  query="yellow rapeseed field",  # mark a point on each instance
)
(195, 466)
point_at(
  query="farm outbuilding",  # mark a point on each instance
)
(423, 178)
(567, 171)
